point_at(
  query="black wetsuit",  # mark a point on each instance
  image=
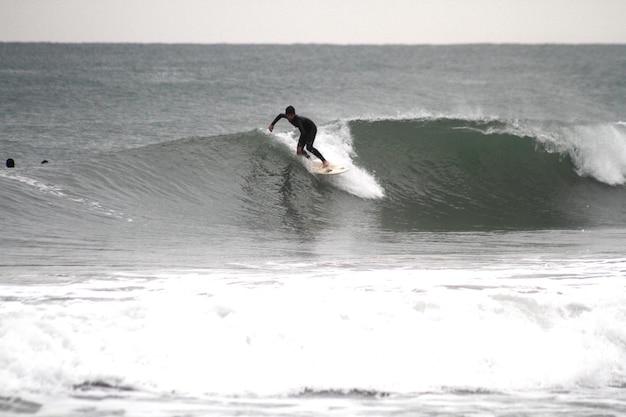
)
(308, 130)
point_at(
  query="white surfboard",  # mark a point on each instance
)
(331, 169)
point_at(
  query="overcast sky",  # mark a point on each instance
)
(314, 21)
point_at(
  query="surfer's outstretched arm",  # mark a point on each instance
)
(280, 116)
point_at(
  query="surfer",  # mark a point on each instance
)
(308, 130)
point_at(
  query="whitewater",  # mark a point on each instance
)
(173, 257)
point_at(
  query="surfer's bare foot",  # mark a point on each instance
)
(325, 164)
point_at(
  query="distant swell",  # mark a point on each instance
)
(344, 393)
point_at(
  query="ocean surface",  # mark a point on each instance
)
(175, 258)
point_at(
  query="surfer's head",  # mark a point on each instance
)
(290, 112)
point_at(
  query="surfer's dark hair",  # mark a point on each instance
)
(290, 110)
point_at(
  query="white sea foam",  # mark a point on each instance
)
(272, 330)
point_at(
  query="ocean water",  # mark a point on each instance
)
(173, 257)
